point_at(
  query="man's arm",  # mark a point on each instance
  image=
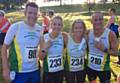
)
(5, 64)
(42, 50)
(113, 44)
(7, 41)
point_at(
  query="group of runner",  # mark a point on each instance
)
(71, 55)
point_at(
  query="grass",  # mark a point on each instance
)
(69, 14)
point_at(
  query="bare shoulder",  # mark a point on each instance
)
(113, 38)
(65, 34)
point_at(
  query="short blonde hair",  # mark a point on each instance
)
(57, 17)
(77, 21)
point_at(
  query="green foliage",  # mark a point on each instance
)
(66, 8)
(7, 3)
(67, 25)
(83, 7)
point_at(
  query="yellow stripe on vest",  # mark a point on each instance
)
(19, 58)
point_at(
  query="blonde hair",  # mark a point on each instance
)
(56, 17)
(77, 21)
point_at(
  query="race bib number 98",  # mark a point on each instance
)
(31, 53)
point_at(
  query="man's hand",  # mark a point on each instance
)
(99, 45)
(6, 74)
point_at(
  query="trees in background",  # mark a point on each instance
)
(7, 4)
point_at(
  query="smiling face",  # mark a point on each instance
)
(56, 24)
(97, 20)
(31, 14)
(78, 28)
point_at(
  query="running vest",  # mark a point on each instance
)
(23, 50)
(98, 60)
(75, 55)
(53, 61)
(45, 24)
(4, 25)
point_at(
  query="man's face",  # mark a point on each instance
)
(97, 20)
(31, 14)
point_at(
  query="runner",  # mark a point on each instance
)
(22, 40)
(102, 43)
(4, 25)
(51, 14)
(53, 61)
(76, 50)
(113, 23)
(45, 22)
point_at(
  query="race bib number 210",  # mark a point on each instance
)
(96, 61)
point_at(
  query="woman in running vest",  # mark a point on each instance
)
(54, 47)
(75, 54)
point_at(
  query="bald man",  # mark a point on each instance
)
(102, 43)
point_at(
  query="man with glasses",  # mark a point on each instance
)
(4, 25)
(102, 43)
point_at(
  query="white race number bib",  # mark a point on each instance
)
(95, 61)
(30, 54)
(55, 63)
(76, 63)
